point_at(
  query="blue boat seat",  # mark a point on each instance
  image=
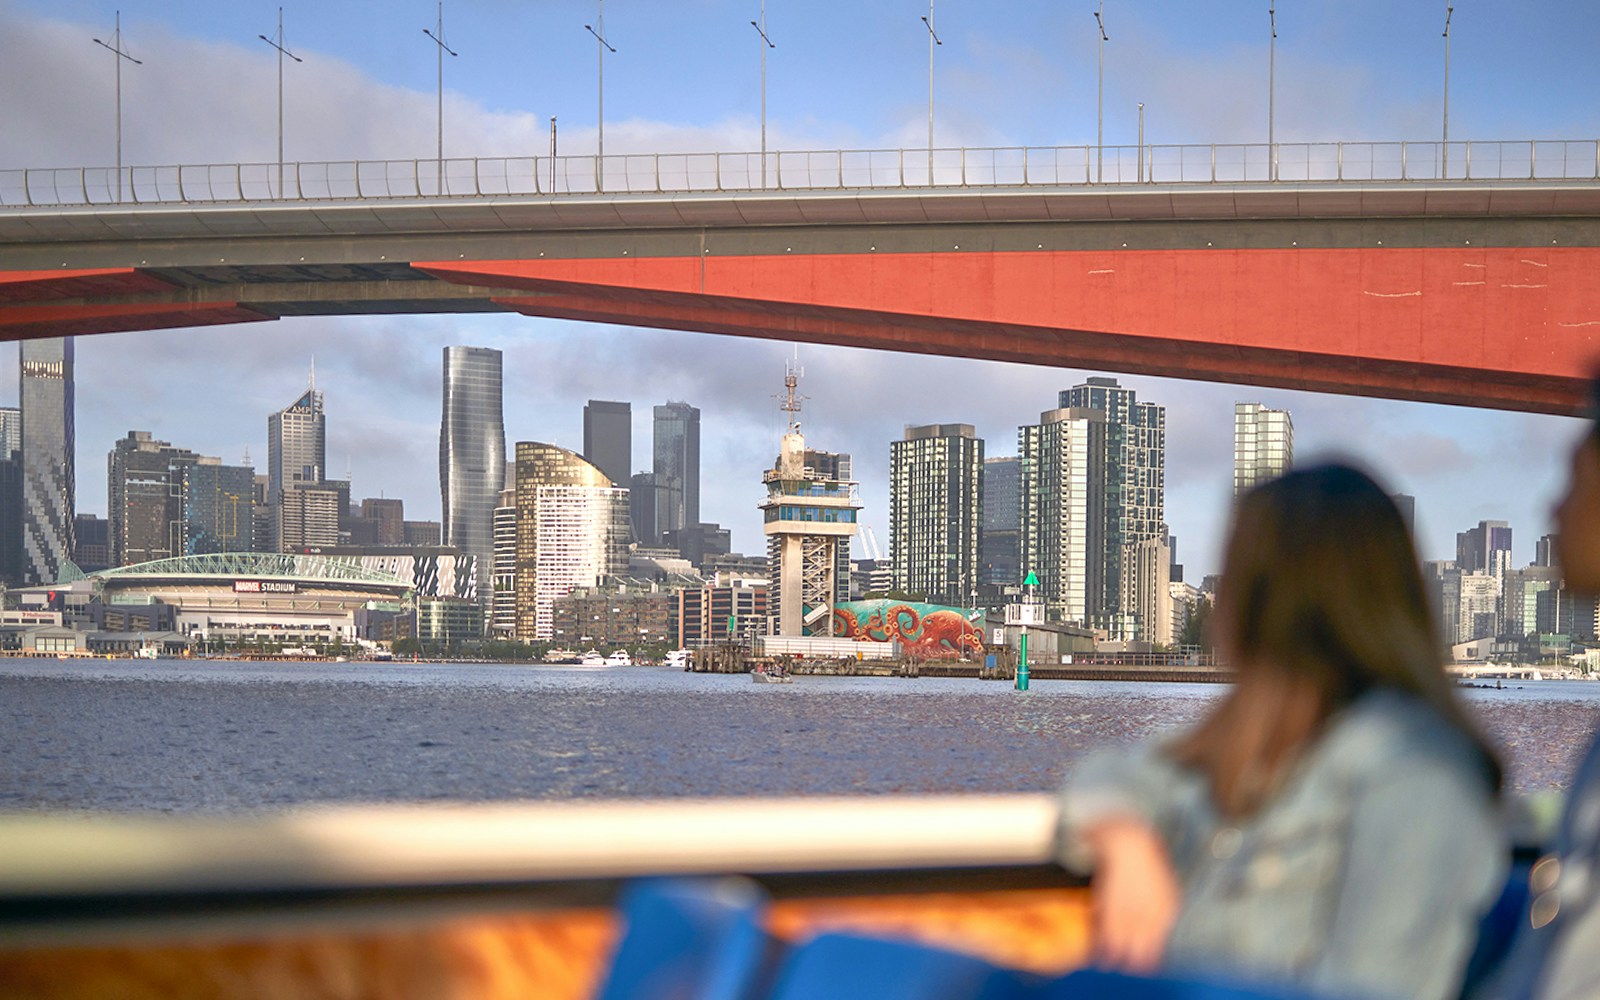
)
(688, 939)
(854, 967)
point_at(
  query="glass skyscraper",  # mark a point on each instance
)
(571, 531)
(218, 507)
(676, 441)
(49, 467)
(1263, 445)
(297, 456)
(472, 450)
(608, 439)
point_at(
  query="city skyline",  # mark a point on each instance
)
(1019, 75)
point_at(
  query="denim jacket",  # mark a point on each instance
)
(1364, 875)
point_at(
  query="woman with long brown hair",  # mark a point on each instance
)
(1333, 822)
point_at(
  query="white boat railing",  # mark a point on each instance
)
(802, 171)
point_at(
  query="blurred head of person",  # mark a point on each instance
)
(1321, 600)
(1577, 515)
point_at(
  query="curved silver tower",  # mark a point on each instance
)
(472, 452)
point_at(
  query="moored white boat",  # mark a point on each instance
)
(619, 658)
(762, 675)
(592, 659)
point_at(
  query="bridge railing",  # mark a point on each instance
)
(803, 170)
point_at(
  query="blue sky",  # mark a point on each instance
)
(685, 77)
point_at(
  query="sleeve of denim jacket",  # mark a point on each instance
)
(1141, 783)
(1426, 855)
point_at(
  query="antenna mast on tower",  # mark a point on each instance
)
(790, 402)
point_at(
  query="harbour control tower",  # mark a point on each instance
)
(808, 515)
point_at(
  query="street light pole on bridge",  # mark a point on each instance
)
(598, 30)
(1444, 164)
(767, 44)
(1100, 100)
(933, 39)
(278, 44)
(1272, 91)
(116, 49)
(443, 48)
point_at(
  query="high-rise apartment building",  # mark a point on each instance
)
(676, 448)
(1002, 513)
(503, 575)
(1263, 445)
(308, 517)
(49, 464)
(472, 449)
(608, 439)
(571, 531)
(1406, 504)
(218, 504)
(935, 511)
(1135, 487)
(1063, 516)
(144, 502)
(11, 495)
(92, 538)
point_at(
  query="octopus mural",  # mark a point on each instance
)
(926, 631)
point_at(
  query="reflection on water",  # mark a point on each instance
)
(184, 737)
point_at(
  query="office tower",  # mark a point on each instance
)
(385, 520)
(503, 575)
(608, 439)
(1443, 579)
(49, 451)
(1484, 549)
(308, 517)
(935, 510)
(1135, 487)
(1002, 513)
(10, 429)
(642, 509)
(144, 503)
(677, 466)
(297, 444)
(1519, 603)
(423, 533)
(572, 531)
(1544, 551)
(1263, 445)
(92, 536)
(1478, 614)
(1063, 516)
(1407, 505)
(472, 449)
(218, 503)
(808, 516)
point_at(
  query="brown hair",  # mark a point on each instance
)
(1321, 600)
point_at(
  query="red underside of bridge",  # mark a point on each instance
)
(1515, 328)
(31, 306)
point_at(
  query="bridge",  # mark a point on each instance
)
(1459, 273)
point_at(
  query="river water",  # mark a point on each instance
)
(186, 737)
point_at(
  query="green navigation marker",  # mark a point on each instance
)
(1032, 580)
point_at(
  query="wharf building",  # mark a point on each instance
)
(1263, 445)
(935, 512)
(571, 531)
(297, 458)
(613, 618)
(808, 516)
(1002, 513)
(472, 449)
(49, 464)
(728, 608)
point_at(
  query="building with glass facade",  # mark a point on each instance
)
(472, 449)
(1062, 520)
(297, 455)
(11, 495)
(676, 447)
(608, 439)
(572, 531)
(1002, 513)
(936, 512)
(49, 462)
(144, 501)
(218, 503)
(1263, 445)
(503, 578)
